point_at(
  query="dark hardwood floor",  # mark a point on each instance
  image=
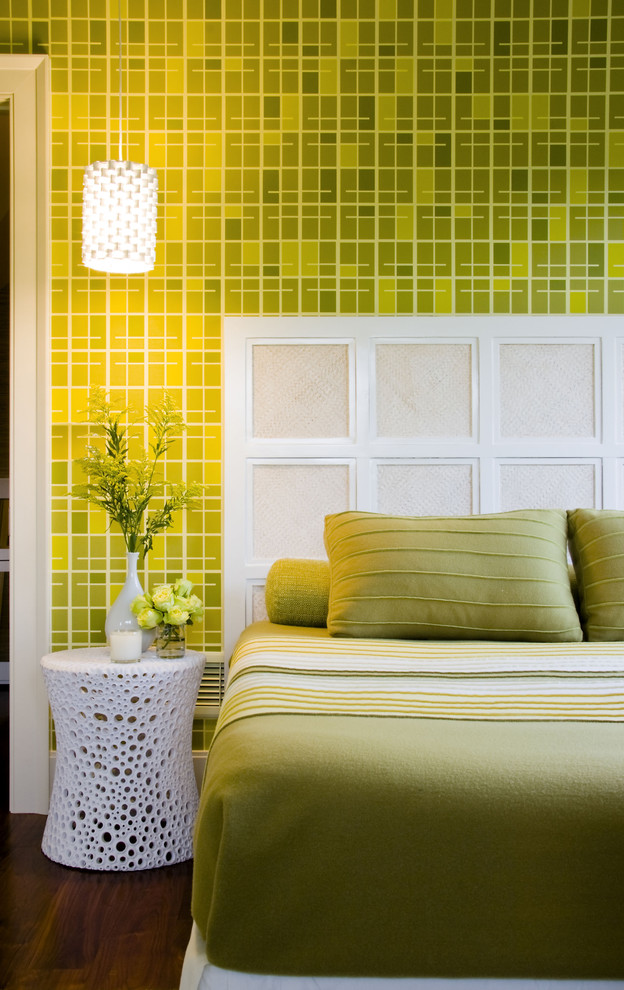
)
(66, 929)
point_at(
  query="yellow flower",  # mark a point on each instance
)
(148, 618)
(162, 596)
(177, 616)
(182, 587)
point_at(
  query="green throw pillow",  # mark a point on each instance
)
(596, 539)
(297, 592)
(502, 576)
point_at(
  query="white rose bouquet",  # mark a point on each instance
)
(168, 605)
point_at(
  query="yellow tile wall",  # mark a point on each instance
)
(314, 156)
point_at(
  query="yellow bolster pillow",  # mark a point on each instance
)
(297, 592)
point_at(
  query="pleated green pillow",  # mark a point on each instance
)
(596, 538)
(297, 592)
(502, 576)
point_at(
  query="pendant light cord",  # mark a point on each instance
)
(119, 14)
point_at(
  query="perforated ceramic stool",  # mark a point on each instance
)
(124, 794)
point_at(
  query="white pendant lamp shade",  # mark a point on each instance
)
(119, 217)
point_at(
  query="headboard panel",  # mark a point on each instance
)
(409, 415)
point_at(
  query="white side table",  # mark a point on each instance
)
(124, 794)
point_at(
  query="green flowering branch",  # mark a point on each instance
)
(124, 486)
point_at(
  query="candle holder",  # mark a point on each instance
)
(125, 641)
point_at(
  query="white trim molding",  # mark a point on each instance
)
(24, 80)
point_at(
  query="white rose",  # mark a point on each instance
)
(162, 596)
(177, 616)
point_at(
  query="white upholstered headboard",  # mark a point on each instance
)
(409, 415)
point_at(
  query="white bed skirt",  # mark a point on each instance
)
(199, 974)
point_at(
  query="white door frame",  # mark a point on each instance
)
(24, 80)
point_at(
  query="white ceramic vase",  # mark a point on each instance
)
(120, 613)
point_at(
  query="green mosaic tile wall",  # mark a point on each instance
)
(315, 156)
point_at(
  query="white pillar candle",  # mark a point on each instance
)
(126, 645)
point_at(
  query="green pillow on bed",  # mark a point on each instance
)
(597, 547)
(297, 592)
(502, 576)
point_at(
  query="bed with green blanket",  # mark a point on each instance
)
(415, 808)
(418, 767)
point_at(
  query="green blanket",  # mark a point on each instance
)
(339, 844)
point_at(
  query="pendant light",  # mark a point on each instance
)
(119, 211)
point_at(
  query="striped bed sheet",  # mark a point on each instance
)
(274, 670)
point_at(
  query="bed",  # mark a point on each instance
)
(386, 808)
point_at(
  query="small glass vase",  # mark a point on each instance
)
(170, 641)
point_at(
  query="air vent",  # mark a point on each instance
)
(211, 687)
